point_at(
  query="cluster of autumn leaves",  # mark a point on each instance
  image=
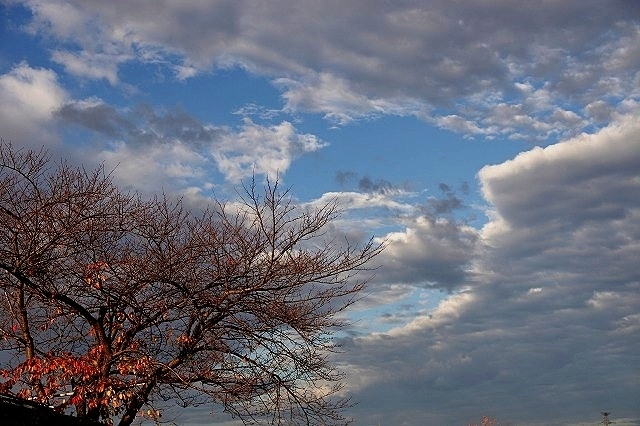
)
(64, 380)
(486, 421)
(95, 274)
(54, 373)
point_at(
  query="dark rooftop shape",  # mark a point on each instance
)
(19, 412)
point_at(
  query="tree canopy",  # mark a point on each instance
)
(111, 302)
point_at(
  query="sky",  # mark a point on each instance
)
(494, 145)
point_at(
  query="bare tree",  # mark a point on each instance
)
(120, 301)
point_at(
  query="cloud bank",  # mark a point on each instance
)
(548, 316)
(539, 70)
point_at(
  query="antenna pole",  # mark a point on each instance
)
(605, 418)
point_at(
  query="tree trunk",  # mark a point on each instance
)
(136, 404)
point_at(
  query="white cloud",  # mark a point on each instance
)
(459, 124)
(29, 96)
(173, 141)
(261, 150)
(446, 313)
(332, 96)
(64, 20)
(184, 72)
(348, 200)
(31, 92)
(89, 66)
(382, 294)
(169, 166)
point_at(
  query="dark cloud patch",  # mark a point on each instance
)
(444, 205)
(444, 187)
(447, 204)
(501, 367)
(429, 253)
(95, 116)
(173, 125)
(142, 127)
(367, 184)
(449, 201)
(345, 177)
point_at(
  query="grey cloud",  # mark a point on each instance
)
(435, 247)
(367, 184)
(506, 368)
(549, 316)
(444, 187)
(582, 197)
(447, 203)
(600, 111)
(430, 253)
(547, 201)
(143, 126)
(342, 177)
(254, 110)
(95, 116)
(465, 188)
(176, 124)
(444, 205)
(454, 64)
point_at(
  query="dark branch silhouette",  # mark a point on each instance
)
(111, 302)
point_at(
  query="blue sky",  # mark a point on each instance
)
(493, 144)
